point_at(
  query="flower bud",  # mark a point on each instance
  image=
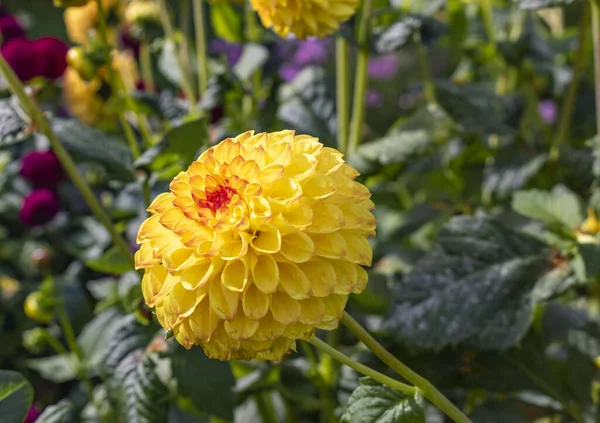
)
(35, 340)
(38, 307)
(78, 60)
(69, 3)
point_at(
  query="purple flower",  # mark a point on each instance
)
(374, 98)
(288, 71)
(383, 67)
(22, 58)
(310, 52)
(10, 28)
(54, 53)
(232, 51)
(42, 169)
(32, 414)
(548, 111)
(39, 207)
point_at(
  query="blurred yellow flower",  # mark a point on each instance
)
(89, 101)
(257, 244)
(37, 308)
(141, 11)
(8, 287)
(304, 17)
(81, 20)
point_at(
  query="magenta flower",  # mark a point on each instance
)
(10, 28)
(39, 207)
(232, 51)
(548, 111)
(32, 414)
(383, 67)
(42, 169)
(54, 51)
(310, 52)
(374, 98)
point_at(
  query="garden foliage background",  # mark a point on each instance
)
(479, 148)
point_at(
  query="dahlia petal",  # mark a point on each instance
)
(358, 248)
(181, 302)
(241, 327)
(329, 160)
(265, 273)
(301, 167)
(284, 308)
(319, 187)
(152, 282)
(297, 247)
(285, 191)
(255, 303)
(268, 329)
(161, 203)
(346, 276)
(300, 217)
(235, 275)
(267, 241)
(203, 321)
(312, 311)
(331, 245)
(293, 281)
(326, 218)
(321, 275)
(361, 280)
(223, 301)
(196, 276)
(235, 249)
(179, 258)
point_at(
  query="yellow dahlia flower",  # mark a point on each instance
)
(257, 244)
(304, 17)
(81, 20)
(142, 10)
(89, 101)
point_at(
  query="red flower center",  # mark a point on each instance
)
(217, 197)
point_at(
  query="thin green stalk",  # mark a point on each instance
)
(429, 391)
(596, 47)
(342, 78)
(146, 67)
(428, 86)
(252, 86)
(487, 14)
(265, 407)
(56, 345)
(146, 191)
(65, 159)
(361, 368)
(184, 45)
(131, 139)
(199, 27)
(566, 110)
(361, 78)
(170, 35)
(74, 347)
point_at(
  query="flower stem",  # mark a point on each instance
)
(568, 104)
(146, 67)
(265, 407)
(342, 70)
(361, 78)
(131, 139)
(596, 47)
(429, 391)
(428, 86)
(186, 84)
(361, 368)
(74, 347)
(199, 27)
(64, 157)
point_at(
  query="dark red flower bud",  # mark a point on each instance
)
(54, 52)
(42, 169)
(22, 58)
(10, 28)
(39, 207)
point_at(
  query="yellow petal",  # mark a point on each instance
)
(312, 311)
(255, 303)
(284, 308)
(223, 301)
(293, 281)
(267, 241)
(358, 250)
(321, 275)
(297, 247)
(265, 273)
(235, 275)
(241, 327)
(203, 321)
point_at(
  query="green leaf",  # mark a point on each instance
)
(421, 133)
(253, 57)
(13, 127)
(213, 392)
(474, 287)
(559, 207)
(590, 253)
(226, 22)
(65, 411)
(471, 106)
(542, 4)
(372, 402)
(177, 149)
(97, 334)
(308, 105)
(111, 262)
(399, 34)
(16, 396)
(508, 171)
(56, 368)
(92, 145)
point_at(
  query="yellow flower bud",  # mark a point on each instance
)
(78, 60)
(304, 17)
(591, 225)
(37, 308)
(80, 21)
(258, 244)
(69, 3)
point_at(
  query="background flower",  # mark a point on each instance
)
(39, 207)
(42, 169)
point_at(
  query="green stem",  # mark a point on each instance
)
(342, 77)
(361, 368)
(361, 78)
(564, 124)
(146, 191)
(429, 391)
(74, 347)
(65, 159)
(56, 345)
(146, 67)
(131, 139)
(596, 47)
(199, 27)
(487, 14)
(186, 84)
(265, 407)
(428, 86)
